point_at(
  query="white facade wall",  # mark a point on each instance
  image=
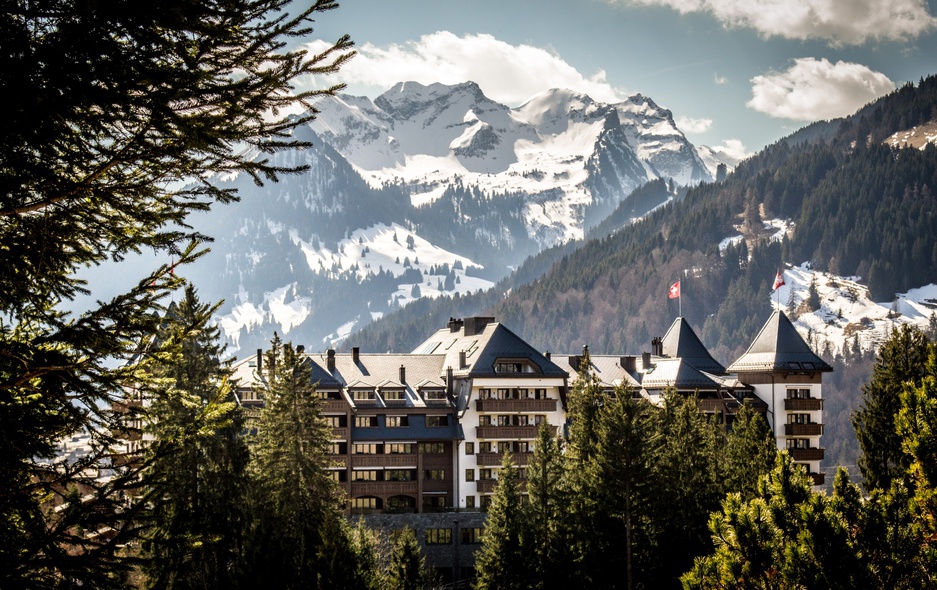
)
(779, 416)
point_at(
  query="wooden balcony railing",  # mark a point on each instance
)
(383, 488)
(384, 461)
(494, 459)
(818, 478)
(333, 406)
(515, 405)
(803, 429)
(509, 432)
(806, 454)
(803, 404)
(340, 433)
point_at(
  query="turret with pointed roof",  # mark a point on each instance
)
(681, 342)
(778, 348)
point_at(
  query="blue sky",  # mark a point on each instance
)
(735, 73)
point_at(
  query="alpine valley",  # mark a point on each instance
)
(429, 191)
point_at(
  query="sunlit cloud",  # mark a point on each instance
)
(839, 22)
(813, 90)
(691, 125)
(507, 73)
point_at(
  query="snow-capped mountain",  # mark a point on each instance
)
(426, 190)
(568, 153)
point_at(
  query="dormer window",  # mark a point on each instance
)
(394, 395)
(363, 395)
(515, 367)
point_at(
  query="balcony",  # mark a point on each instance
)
(806, 454)
(494, 459)
(333, 406)
(437, 485)
(485, 486)
(384, 461)
(515, 405)
(509, 432)
(803, 429)
(803, 404)
(383, 488)
(818, 478)
(340, 433)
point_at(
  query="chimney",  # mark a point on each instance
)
(454, 325)
(645, 360)
(260, 359)
(462, 363)
(629, 363)
(403, 374)
(585, 350)
(331, 360)
(657, 347)
(449, 387)
(355, 351)
(476, 325)
(574, 360)
(300, 349)
(547, 354)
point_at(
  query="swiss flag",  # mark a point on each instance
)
(778, 281)
(674, 291)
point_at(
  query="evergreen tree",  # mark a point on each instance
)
(407, 567)
(295, 504)
(901, 359)
(543, 550)
(197, 469)
(122, 117)
(499, 562)
(623, 537)
(688, 484)
(750, 452)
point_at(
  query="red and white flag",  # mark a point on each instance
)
(674, 292)
(778, 281)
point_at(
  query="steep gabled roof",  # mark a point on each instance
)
(681, 342)
(778, 347)
(484, 341)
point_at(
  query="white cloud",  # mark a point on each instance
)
(719, 79)
(812, 90)
(506, 73)
(691, 125)
(840, 22)
(732, 149)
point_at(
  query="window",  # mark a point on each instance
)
(435, 421)
(333, 395)
(366, 475)
(366, 421)
(539, 419)
(798, 393)
(469, 475)
(435, 394)
(540, 393)
(503, 420)
(508, 367)
(484, 393)
(485, 501)
(469, 448)
(434, 474)
(401, 504)
(432, 448)
(472, 536)
(363, 394)
(398, 421)
(798, 443)
(798, 418)
(367, 449)
(484, 420)
(338, 475)
(504, 447)
(337, 421)
(438, 536)
(485, 447)
(470, 502)
(485, 474)
(399, 475)
(394, 395)
(364, 503)
(398, 448)
(523, 447)
(337, 448)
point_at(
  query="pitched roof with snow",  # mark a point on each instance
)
(681, 342)
(778, 347)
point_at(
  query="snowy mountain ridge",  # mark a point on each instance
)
(551, 148)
